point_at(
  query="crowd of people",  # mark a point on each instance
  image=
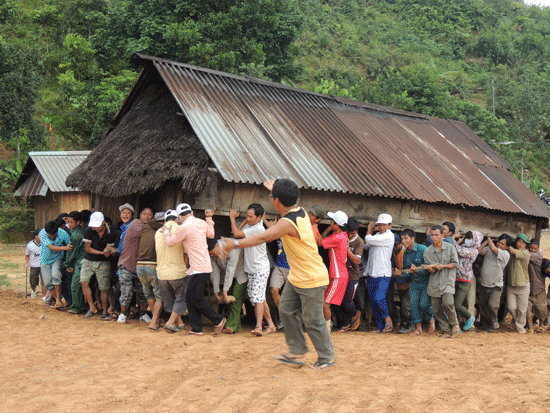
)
(158, 266)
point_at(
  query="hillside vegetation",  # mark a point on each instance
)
(64, 66)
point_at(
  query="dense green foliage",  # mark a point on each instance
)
(68, 70)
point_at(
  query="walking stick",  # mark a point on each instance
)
(26, 276)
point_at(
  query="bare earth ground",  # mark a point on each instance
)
(54, 362)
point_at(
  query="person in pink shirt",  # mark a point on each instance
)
(193, 232)
(337, 244)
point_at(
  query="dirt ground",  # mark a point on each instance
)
(54, 362)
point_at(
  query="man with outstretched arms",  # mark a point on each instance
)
(302, 298)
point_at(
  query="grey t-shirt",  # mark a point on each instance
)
(493, 267)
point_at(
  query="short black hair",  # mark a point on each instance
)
(147, 207)
(409, 232)
(60, 222)
(76, 216)
(257, 208)
(108, 220)
(63, 215)
(85, 216)
(172, 218)
(449, 225)
(51, 227)
(437, 227)
(507, 238)
(469, 235)
(286, 191)
(353, 225)
(36, 232)
(535, 241)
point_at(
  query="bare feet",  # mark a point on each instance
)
(415, 333)
(431, 327)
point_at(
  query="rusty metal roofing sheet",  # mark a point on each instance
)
(255, 130)
(48, 170)
(34, 185)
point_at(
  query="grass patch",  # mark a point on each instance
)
(4, 281)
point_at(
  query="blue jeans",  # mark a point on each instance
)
(378, 290)
(51, 274)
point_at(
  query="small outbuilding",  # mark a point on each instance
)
(43, 182)
(186, 133)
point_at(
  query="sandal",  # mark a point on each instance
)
(89, 314)
(257, 332)
(270, 330)
(219, 328)
(192, 333)
(319, 366)
(284, 358)
(345, 328)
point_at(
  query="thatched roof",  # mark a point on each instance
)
(151, 145)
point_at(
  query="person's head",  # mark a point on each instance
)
(254, 214)
(213, 247)
(64, 216)
(109, 223)
(535, 245)
(126, 213)
(353, 228)
(397, 244)
(51, 229)
(408, 238)
(170, 215)
(61, 223)
(339, 220)
(384, 222)
(436, 232)
(85, 216)
(36, 234)
(448, 229)
(73, 220)
(183, 210)
(468, 240)
(97, 221)
(522, 242)
(316, 214)
(285, 191)
(146, 214)
(504, 241)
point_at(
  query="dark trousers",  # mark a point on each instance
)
(489, 302)
(196, 304)
(346, 310)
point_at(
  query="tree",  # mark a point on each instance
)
(229, 35)
(20, 80)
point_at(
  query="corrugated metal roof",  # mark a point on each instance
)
(48, 170)
(255, 130)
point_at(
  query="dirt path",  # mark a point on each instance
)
(54, 362)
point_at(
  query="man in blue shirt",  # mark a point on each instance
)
(53, 244)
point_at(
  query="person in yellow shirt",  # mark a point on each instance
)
(303, 295)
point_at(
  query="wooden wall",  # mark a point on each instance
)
(49, 207)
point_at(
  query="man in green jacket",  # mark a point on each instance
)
(73, 262)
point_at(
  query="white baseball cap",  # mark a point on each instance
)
(183, 209)
(384, 219)
(170, 213)
(126, 206)
(96, 219)
(339, 217)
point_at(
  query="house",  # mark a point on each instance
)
(186, 133)
(43, 182)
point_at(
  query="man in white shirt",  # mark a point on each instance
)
(379, 270)
(256, 265)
